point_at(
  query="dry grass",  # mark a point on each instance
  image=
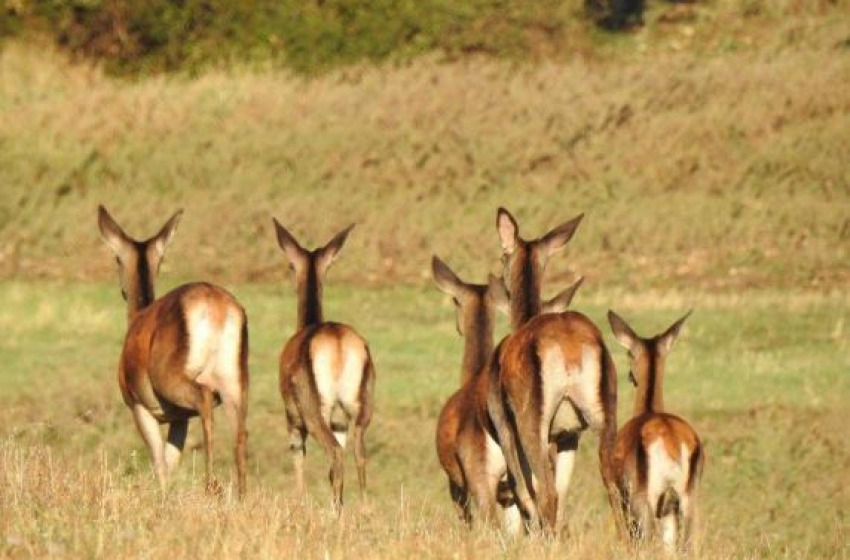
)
(761, 376)
(724, 169)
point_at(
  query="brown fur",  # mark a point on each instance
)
(681, 451)
(327, 375)
(461, 436)
(157, 379)
(516, 391)
(519, 383)
(464, 426)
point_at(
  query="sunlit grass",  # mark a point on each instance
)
(762, 377)
(721, 171)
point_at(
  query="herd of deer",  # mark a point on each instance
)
(507, 438)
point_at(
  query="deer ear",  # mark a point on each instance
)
(556, 239)
(293, 251)
(666, 340)
(445, 279)
(499, 294)
(623, 333)
(111, 232)
(161, 240)
(508, 231)
(327, 254)
(561, 302)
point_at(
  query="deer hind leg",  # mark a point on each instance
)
(236, 410)
(326, 439)
(148, 427)
(205, 411)
(360, 456)
(298, 448)
(565, 445)
(536, 452)
(174, 444)
(229, 379)
(688, 509)
(511, 515)
(362, 419)
(481, 484)
(316, 417)
(640, 518)
(460, 498)
(484, 488)
(503, 420)
(667, 508)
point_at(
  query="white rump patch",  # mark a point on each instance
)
(214, 351)
(578, 382)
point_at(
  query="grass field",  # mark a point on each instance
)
(762, 376)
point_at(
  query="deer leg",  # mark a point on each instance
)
(149, 429)
(360, 457)
(566, 445)
(511, 515)
(481, 486)
(316, 417)
(537, 454)
(236, 410)
(640, 517)
(174, 444)
(687, 505)
(298, 448)
(460, 498)
(335, 453)
(362, 418)
(205, 410)
(502, 419)
(234, 396)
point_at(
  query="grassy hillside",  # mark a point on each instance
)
(721, 171)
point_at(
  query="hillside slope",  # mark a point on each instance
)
(724, 170)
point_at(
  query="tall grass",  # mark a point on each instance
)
(762, 376)
(719, 171)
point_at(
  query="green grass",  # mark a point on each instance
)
(761, 375)
(139, 39)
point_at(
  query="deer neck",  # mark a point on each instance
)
(139, 287)
(650, 396)
(309, 292)
(478, 346)
(525, 293)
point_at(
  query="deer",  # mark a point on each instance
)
(550, 380)
(466, 448)
(658, 457)
(327, 376)
(183, 354)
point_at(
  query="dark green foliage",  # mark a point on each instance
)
(133, 37)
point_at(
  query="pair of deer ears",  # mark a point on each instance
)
(551, 242)
(299, 256)
(449, 283)
(631, 341)
(120, 243)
